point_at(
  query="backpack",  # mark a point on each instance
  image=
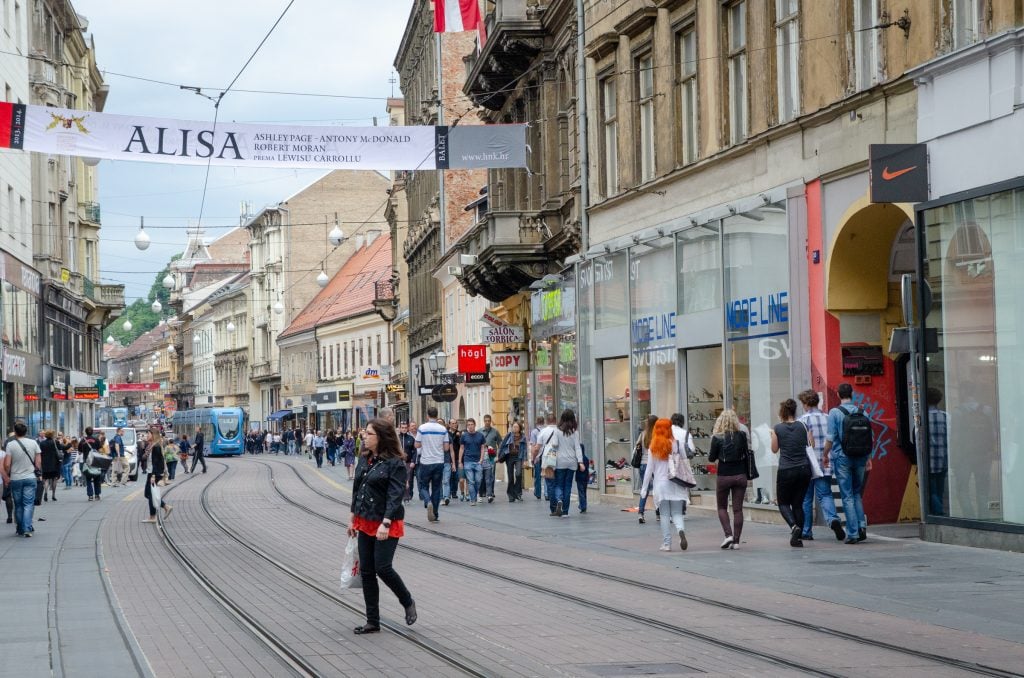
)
(733, 449)
(858, 438)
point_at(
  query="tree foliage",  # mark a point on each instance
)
(140, 313)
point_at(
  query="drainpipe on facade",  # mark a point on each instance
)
(581, 115)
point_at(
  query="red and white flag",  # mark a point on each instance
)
(453, 16)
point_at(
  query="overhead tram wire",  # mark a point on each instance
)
(220, 97)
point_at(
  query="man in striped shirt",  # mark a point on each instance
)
(938, 453)
(433, 444)
(816, 422)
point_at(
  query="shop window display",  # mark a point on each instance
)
(757, 329)
(589, 426)
(974, 262)
(617, 426)
(704, 398)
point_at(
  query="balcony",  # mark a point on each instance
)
(514, 249)
(515, 35)
(385, 301)
(106, 302)
(264, 371)
(41, 71)
(89, 211)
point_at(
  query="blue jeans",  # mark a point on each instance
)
(66, 471)
(822, 489)
(446, 480)
(643, 499)
(488, 482)
(850, 476)
(537, 478)
(936, 492)
(560, 489)
(430, 483)
(23, 492)
(291, 447)
(582, 481)
(474, 472)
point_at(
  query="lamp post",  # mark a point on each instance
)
(438, 362)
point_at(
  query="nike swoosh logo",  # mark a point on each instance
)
(889, 176)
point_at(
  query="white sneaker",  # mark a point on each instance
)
(735, 546)
(665, 547)
(727, 542)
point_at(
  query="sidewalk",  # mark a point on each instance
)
(893, 573)
(56, 618)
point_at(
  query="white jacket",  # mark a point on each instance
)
(664, 489)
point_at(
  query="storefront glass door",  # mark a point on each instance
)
(704, 399)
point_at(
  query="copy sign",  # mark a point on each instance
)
(472, 358)
(510, 361)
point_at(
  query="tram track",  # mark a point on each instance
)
(450, 657)
(967, 666)
(289, 658)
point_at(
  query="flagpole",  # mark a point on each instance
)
(441, 212)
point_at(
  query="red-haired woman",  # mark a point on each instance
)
(672, 497)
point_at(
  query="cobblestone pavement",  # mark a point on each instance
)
(102, 594)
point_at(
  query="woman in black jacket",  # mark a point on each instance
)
(156, 474)
(51, 464)
(377, 518)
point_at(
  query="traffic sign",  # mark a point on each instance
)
(508, 334)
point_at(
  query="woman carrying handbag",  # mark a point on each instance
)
(730, 449)
(378, 514)
(513, 453)
(153, 494)
(790, 440)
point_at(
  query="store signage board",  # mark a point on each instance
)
(898, 172)
(394, 388)
(142, 386)
(472, 358)
(493, 320)
(426, 389)
(444, 393)
(86, 393)
(478, 378)
(510, 361)
(509, 334)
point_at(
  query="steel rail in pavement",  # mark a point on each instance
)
(454, 659)
(292, 659)
(972, 667)
(640, 619)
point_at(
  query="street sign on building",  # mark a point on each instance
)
(508, 334)
(444, 393)
(139, 386)
(510, 361)
(472, 358)
(493, 320)
(478, 378)
(86, 393)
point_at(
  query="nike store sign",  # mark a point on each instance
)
(899, 172)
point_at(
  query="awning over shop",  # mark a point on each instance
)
(281, 414)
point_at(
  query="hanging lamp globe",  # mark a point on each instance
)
(230, 326)
(336, 236)
(322, 278)
(127, 326)
(278, 308)
(168, 282)
(157, 306)
(142, 240)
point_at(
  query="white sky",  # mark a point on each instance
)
(341, 47)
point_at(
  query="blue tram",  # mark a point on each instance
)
(223, 428)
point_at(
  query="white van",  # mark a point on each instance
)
(131, 447)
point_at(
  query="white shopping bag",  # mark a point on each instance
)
(350, 578)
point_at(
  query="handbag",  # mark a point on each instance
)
(679, 470)
(812, 457)
(549, 458)
(752, 473)
(350, 578)
(638, 453)
(156, 493)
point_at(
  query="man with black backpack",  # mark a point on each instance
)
(849, 445)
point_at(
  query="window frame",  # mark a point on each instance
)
(867, 47)
(787, 64)
(644, 115)
(687, 90)
(609, 133)
(736, 73)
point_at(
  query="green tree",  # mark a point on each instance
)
(140, 313)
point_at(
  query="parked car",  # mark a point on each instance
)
(131, 448)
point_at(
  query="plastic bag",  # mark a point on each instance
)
(350, 578)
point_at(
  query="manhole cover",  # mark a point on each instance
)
(640, 669)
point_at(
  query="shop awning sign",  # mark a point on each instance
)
(492, 320)
(898, 172)
(510, 361)
(140, 386)
(509, 334)
(472, 358)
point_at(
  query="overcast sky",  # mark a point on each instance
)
(338, 47)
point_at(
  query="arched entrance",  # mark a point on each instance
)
(872, 246)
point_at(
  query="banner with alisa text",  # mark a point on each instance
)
(61, 131)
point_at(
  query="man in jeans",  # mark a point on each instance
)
(817, 423)
(19, 467)
(533, 451)
(938, 453)
(116, 458)
(470, 456)
(432, 443)
(492, 440)
(849, 471)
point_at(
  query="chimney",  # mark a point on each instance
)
(371, 235)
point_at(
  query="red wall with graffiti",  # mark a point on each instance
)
(887, 481)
